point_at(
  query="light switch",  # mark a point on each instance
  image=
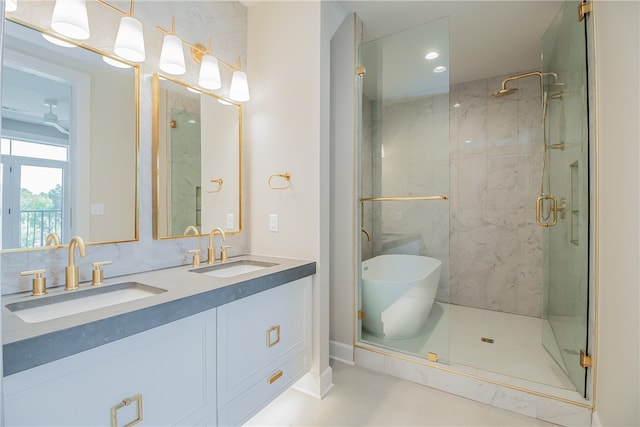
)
(230, 221)
(273, 222)
(97, 209)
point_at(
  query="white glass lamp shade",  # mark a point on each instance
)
(11, 6)
(172, 56)
(209, 73)
(70, 19)
(239, 90)
(130, 40)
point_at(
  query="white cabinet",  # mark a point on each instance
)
(220, 367)
(172, 367)
(264, 346)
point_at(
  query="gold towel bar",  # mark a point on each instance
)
(404, 198)
(218, 181)
(286, 176)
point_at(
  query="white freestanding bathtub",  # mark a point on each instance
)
(397, 293)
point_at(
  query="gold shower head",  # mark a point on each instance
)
(504, 92)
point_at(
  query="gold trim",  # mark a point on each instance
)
(402, 198)
(432, 357)
(475, 377)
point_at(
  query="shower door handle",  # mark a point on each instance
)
(539, 208)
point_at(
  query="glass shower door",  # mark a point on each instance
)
(565, 187)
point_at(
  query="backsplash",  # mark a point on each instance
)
(225, 22)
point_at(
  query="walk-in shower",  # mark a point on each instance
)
(490, 178)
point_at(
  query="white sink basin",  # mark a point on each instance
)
(74, 302)
(234, 268)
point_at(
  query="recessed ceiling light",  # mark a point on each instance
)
(115, 62)
(432, 55)
(57, 41)
(440, 69)
(456, 105)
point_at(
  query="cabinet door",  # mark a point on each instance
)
(172, 367)
(260, 333)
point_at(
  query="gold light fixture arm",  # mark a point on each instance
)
(112, 7)
(198, 50)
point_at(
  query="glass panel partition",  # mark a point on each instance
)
(404, 186)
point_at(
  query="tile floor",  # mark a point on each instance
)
(361, 397)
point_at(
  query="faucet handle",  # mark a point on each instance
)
(39, 283)
(196, 256)
(98, 274)
(223, 252)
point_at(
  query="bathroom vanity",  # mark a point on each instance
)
(209, 350)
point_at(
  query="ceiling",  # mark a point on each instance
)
(486, 38)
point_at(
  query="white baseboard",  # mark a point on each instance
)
(595, 420)
(316, 385)
(341, 352)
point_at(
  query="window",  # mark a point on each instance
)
(34, 197)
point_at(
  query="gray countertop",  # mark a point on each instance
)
(26, 345)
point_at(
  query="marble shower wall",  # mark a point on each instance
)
(226, 23)
(496, 164)
(489, 161)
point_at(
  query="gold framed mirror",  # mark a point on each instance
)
(197, 172)
(70, 142)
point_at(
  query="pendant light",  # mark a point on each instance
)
(239, 90)
(172, 54)
(70, 19)
(130, 40)
(209, 77)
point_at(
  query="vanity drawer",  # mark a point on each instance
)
(240, 409)
(259, 333)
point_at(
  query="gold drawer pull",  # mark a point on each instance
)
(126, 402)
(275, 329)
(275, 377)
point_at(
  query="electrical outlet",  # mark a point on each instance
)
(230, 221)
(273, 223)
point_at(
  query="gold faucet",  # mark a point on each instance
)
(52, 238)
(191, 228)
(211, 252)
(72, 269)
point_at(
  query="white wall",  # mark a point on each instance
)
(617, 50)
(286, 132)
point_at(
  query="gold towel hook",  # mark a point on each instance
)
(286, 176)
(218, 181)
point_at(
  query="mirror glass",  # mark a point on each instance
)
(69, 150)
(197, 173)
